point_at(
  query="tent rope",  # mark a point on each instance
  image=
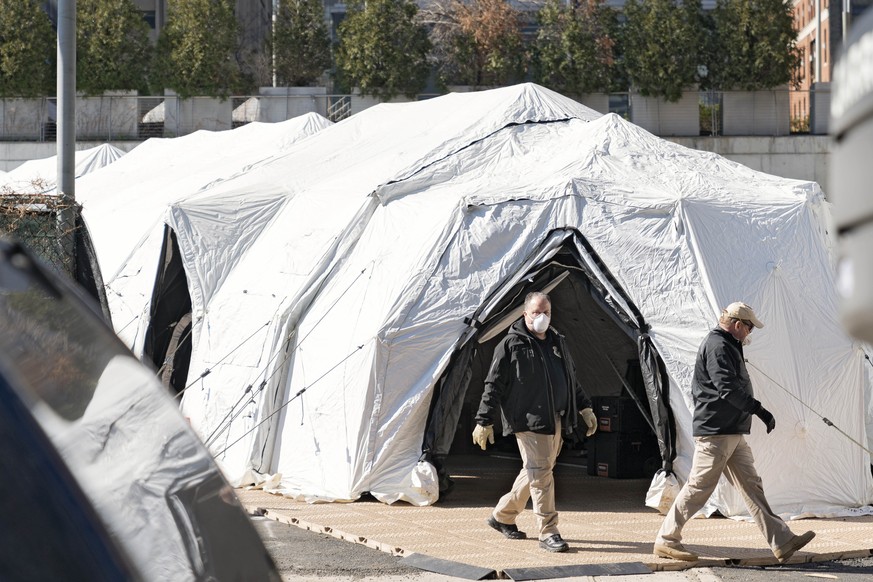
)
(208, 371)
(232, 411)
(135, 318)
(169, 357)
(227, 421)
(233, 414)
(329, 309)
(289, 401)
(824, 419)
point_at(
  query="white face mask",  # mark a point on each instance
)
(540, 323)
(747, 340)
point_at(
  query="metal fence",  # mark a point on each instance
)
(131, 117)
(34, 220)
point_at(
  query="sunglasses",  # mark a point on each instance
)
(748, 324)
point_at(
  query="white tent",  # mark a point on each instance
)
(123, 205)
(40, 176)
(337, 292)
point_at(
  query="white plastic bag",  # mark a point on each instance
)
(663, 491)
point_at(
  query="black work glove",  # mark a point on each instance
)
(766, 418)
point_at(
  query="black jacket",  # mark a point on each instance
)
(518, 385)
(722, 391)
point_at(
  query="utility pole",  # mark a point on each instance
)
(66, 131)
(847, 21)
(817, 54)
(273, 41)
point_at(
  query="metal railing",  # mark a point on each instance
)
(131, 117)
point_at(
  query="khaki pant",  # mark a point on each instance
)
(535, 481)
(731, 455)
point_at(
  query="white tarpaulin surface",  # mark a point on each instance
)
(343, 271)
(40, 176)
(124, 205)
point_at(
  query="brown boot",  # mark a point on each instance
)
(676, 551)
(794, 544)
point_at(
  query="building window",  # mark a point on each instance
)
(801, 70)
(812, 78)
(149, 17)
(824, 48)
(619, 103)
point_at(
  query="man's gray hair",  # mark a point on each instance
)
(536, 295)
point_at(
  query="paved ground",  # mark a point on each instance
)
(306, 556)
(604, 520)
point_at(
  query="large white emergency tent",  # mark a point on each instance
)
(347, 295)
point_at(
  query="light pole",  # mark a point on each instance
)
(273, 43)
(66, 130)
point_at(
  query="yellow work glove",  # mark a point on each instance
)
(590, 420)
(483, 435)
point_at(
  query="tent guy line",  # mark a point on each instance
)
(227, 421)
(290, 400)
(227, 418)
(169, 357)
(824, 419)
(208, 371)
(233, 413)
(328, 310)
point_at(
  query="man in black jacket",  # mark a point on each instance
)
(723, 406)
(532, 381)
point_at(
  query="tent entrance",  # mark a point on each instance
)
(168, 337)
(616, 365)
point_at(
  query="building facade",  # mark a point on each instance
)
(819, 25)
(254, 16)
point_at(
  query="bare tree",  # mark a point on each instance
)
(476, 42)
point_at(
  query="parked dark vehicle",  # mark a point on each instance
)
(101, 478)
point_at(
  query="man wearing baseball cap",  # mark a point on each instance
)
(723, 407)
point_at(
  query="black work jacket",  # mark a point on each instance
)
(518, 385)
(723, 395)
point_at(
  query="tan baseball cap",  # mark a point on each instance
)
(740, 310)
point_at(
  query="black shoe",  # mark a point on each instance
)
(510, 530)
(554, 543)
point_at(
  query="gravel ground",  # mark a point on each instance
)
(301, 553)
(851, 570)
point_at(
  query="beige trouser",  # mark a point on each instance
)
(534, 481)
(731, 455)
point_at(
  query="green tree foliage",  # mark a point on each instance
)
(112, 47)
(382, 49)
(28, 49)
(300, 42)
(662, 43)
(756, 44)
(575, 47)
(476, 42)
(196, 52)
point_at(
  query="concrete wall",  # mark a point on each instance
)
(182, 116)
(274, 104)
(802, 157)
(664, 118)
(756, 113)
(114, 114)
